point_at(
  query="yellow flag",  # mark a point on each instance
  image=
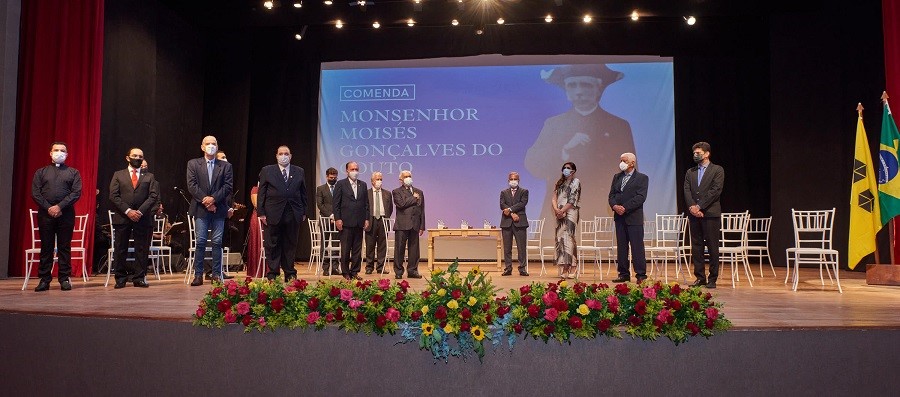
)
(865, 213)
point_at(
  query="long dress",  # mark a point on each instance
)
(254, 244)
(566, 248)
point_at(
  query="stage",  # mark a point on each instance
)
(101, 341)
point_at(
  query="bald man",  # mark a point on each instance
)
(210, 183)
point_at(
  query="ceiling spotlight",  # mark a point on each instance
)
(454, 22)
(634, 15)
(500, 21)
(269, 4)
(417, 6)
(479, 29)
(548, 18)
(339, 24)
(298, 4)
(376, 25)
(587, 19)
(690, 20)
(410, 22)
(328, 2)
(299, 36)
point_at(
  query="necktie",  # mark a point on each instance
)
(700, 175)
(134, 178)
(353, 185)
(331, 189)
(284, 174)
(209, 170)
(624, 181)
(377, 199)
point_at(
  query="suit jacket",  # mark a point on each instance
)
(351, 209)
(706, 195)
(199, 186)
(324, 201)
(516, 204)
(124, 196)
(387, 203)
(274, 194)
(632, 197)
(410, 212)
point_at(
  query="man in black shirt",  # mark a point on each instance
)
(55, 189)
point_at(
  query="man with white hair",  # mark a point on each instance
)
(626, 198)
(381, 206)
(409, 224)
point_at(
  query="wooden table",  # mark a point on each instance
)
(465, 234)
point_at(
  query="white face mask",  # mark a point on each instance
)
(567, 172)
(211, 149)
(623, 166)
(59, 157)
(407, 181)
(284, 160)
(514, 183)
(353, 174)
(377, 184)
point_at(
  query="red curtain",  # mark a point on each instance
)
(60, 63)
(890, 16)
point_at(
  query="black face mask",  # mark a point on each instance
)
(698, 158)
(135, 163)
(330, 182)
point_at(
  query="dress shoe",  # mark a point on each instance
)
(325, 273)
(698, 283)
(227, 277)
(640, 279)
(42, 286)
(368, 271)
(141, 284)
(356, 277)
(198, 280)
(711, 285)
(398, 277)
(65, 285)
(524, 274)
(622, 279)
(507, 273)
(417, 275)
(216, 279)
(290, 278)
(346, 277)
(120, 283)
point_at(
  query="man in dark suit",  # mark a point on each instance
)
(134, 194)
(626, 198)
(210, 183)
(324, 203)
(381, 206)
(514, 223)
(55, 189)
(702, 188)
(351, 219)
(409, 224)
(281, 208)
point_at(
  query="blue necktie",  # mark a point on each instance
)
(209, 170)
(700, 175)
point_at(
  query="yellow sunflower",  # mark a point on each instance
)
(475, 271)
(477, 333)
(427, 329)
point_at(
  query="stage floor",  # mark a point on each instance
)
(769, 304)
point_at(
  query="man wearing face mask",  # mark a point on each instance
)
(381, 206)
(351, 219)
(210, 183)
(626, 198)
(281, 207)
(55, 189)
(702, 188)
(409, 224)
(324, 203)
(134, 194)
(514, 223)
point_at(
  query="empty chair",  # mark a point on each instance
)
(758, 242)
(684, 253)
(315, 243)
(331, 248)
(588, 244)
(533, 242)
(813, 245)
(160, 254)
(262, 263)
(389, 239)
(666, 242)
(605, 240)
(733, 244)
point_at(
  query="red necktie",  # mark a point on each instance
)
(134, 179)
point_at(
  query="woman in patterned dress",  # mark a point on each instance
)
(565, 206)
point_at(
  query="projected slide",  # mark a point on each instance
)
(462, 124)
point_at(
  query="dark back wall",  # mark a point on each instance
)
(773, 94)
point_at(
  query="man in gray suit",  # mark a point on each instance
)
(514, 223)
(702, 188)
(409, 224)
(210, 183)
(381, 206)
(351, 219)
(324, 203)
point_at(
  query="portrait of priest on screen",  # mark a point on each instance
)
(586, 134)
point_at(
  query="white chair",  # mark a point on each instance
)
(733, 244)
(192, 252)
(605, 239)
(666, 242)
(758, 242)
(261, 262)
(389, 239)
(533, 241)
(160, 254)
(33, 254)
(588, 237)
(684, 253)
(331, 250)
(813, 245)
(315, 242)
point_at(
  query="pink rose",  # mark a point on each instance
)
(392, 314)
(346, 295)
(384, 284)
(549, 298)
(200, 312)
(649, 293)
(243, 308)
(613, 302)
(230, 317)
(262, 321)
(312, 317)
(551, 314)
(664, 316)
(712, 313)
(354, 304)
(594, 304)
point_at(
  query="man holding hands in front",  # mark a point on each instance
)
(134, 194)
(514, 223)
(626, 198)
(281, 200)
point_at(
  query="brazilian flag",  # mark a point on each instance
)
(888, 180)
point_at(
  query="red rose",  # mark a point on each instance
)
(425, 294)
(658, 324)
(244, 291)
(712, 313)
(465, 313)
(603, 325)
(578, 288)
(464, 326)
(246, 320)
(488, 319)
(640, 307)
(560, 305)
(693, 328)
(603, 285)
(486, 307)
(360, 318)
(416, 315)
(549, 329)
(695, 305)
(657, 286)
(380, 321)
(248, 280)
(262, 298)
(399, 296)
(329, 317)
(622, 289)
(377, 298)
(710, 323)
(456, 294)
(224, 305)
(708, 296)
(552, 287)
(634, 320)
(339, 314)
(575, 322)
(442, 324)
(676, 289)
(313, 303)
(534, 311)
(440, 313)
(277, 304)
(334, 291)
(518, 328)
(526, 300)
(525, 289)
(216, 291)
(300, 284)
(392, 314)
(502, 310)
(613, 303)
(404, 285)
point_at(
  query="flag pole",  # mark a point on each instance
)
(884, 100)
(859, 111)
